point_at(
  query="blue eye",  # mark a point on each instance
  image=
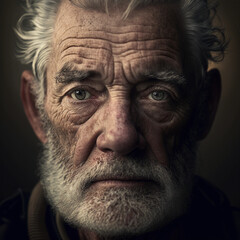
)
(80, 94)
(158, 95)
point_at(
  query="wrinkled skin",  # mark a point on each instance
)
(121, 109)
(119, 116)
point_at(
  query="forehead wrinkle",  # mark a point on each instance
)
(99, 62)
(74, 54)
(156, 47)
(86, 46)
(143, 33)
(118, 30)
(142, 54)
(122, 52)
(87, 52)
(150, 43)
(118, 40)
(108, 44)
(160, 54)
(154, 63)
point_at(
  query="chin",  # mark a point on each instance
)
(115, 212)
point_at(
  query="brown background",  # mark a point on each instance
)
(219, 156)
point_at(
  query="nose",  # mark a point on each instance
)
(120, 133)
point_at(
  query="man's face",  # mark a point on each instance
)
(115, 111)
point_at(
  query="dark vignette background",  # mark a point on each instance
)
(219, 156)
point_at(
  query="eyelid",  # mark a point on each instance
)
(171, 93)
(91, 90)
(86, 84)
(71, 91)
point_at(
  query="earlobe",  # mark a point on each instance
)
(28, 100)
(213, 97)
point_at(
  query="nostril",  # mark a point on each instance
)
(121, 141)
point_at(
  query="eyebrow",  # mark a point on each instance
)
(69, 73)
(167, 76)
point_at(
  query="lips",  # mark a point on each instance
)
(121, 181)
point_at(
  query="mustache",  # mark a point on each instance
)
(121, 169)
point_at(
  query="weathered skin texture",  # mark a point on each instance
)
(119, 115)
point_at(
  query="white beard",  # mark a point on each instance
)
(115, 211)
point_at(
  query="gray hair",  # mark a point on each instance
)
(35, 29)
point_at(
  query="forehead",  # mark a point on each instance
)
(163, 19)
(97, 36)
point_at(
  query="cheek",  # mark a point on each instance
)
(80, 112)
(162, 117)
(67, 116)
(157, 113)
(76, 128)
(161, 127)
(64, 132)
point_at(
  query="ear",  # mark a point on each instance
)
(213, 97)
(29, 104)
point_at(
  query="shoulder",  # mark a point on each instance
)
(13, 216)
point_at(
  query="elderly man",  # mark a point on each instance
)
(119, 95)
